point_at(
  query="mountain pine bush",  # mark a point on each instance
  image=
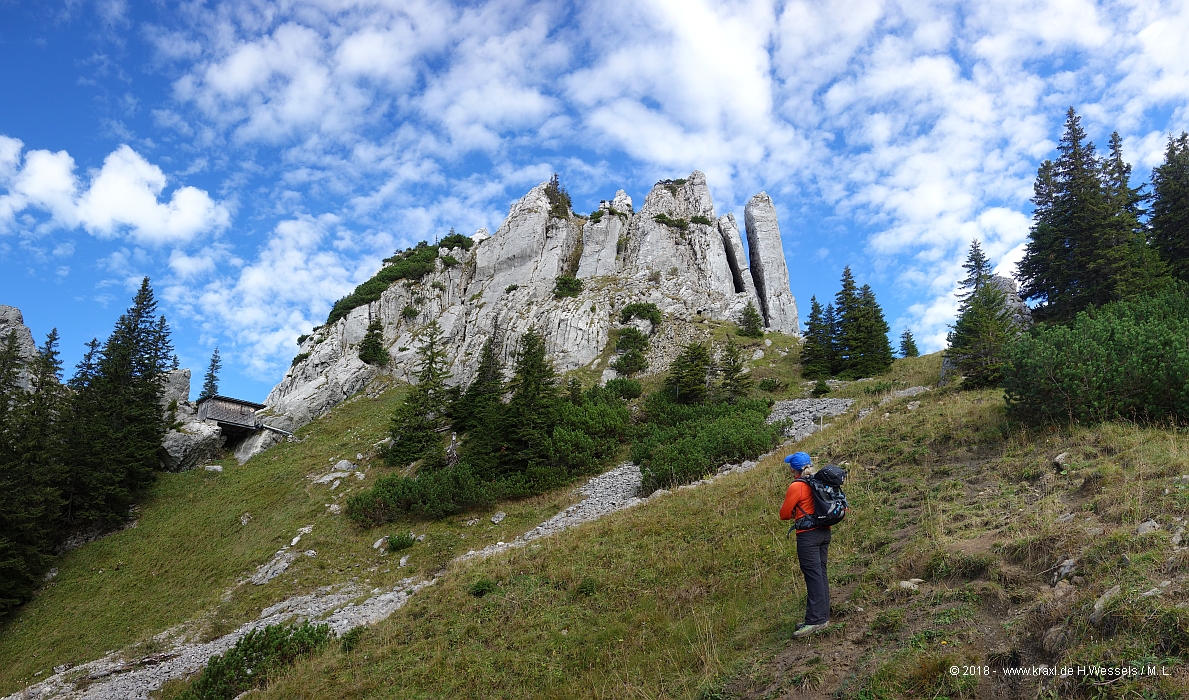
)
(1128, 359)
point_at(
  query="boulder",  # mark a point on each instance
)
(190, 446)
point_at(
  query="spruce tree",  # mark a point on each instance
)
(980, 338)
(816, 355)
(689, 374)
(735, 382)
(872, 352)
(30, 469)
(847, 312)
(532, 411)
(477, 408)
(1169, 221)
(908, 345)
(210, 380)
(750, 323)
(830, 330)
(418, 420)
(371, 348)
(1124, 265)
(1086, 246)
(117, 422)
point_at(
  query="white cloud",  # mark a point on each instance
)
(921, 122)
(120, 199)
(289, 288)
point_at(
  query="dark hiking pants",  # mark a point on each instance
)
(813, 547)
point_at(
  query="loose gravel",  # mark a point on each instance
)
(806, 416)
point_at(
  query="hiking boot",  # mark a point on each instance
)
(806, 630)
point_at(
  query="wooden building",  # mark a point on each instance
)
(232, 415)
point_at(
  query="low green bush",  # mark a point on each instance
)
(567, 286)
(409, 312)
(631, 339)
(629, 363)
(639, 309)
(699, 219)
(401, 541)
(298, 358)
(411, 264)
(587, 586)
(769, 384)
(349, 642)
(511, 288)
(626, 389)
(303, 338)
(1127, 359)
(258, 655)
(449, 260)
(455, 240)
(680, 443)
(680, 224)
(482, 587)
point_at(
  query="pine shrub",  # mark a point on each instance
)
(680, 224)
(699, 219)
(567, 286)
(371, 348)
(1128, 359)
(681, 443)
(455, 240)
(257, 656)
(645, 310)
(412, 264)
(626, 389)
(401, 541)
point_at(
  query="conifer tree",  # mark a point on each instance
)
(1086, 246)
(981, 336)
(872, 352)
(689, 374)
(116, 418)
(422, 414)
(830, 329)
(478, 406)
(1124, 265)
(30, 466)
(1170, 207)
(816, 355)
(531, 412)
(210, 380)
(751, 324)
(847, 312)
(908, 345)
(735, 382)
(371, 348)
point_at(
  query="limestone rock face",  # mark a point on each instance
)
(505, 284)
(194, 442)
(768, 267)
(1020, 312)
(11, 321)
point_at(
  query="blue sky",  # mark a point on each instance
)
(257, 159)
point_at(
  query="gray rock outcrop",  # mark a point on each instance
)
(12, 322)
(768, 267)
(690, 263)
(189, 442)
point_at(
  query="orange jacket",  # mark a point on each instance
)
(798, 502)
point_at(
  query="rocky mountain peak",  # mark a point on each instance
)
(674, 252)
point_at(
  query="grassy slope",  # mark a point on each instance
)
(697, 593)
(189, 549)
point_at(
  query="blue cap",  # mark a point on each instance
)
(798, 460)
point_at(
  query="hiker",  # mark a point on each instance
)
(813, 545)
